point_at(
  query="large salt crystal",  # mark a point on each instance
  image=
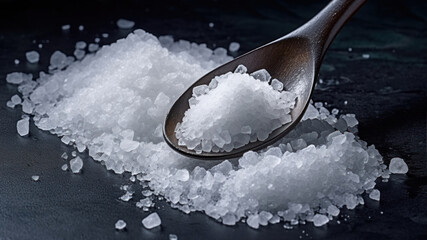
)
(305, 172)
(375, 195)
(234, 47)
(76, 164)
(320, 220)
(120, 225)
(58, 60)
(398, 166)
(32, 56)
(151, 221)
(22, 126)
(125, 24)
(224, 118)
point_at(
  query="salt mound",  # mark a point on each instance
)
(235, 109)
(121, 94)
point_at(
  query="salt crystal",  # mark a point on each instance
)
(105, 35)
(211, 25)
(173, 237)
(253, 221)
(320, 220)
(333, 210)
(81, 45)
(93, 47)
(81, 27)
(16, 61)
(151, 221)
(126, 197)
(277, 85)
(65, 27)
(375, 195)
(365, 56)
(40, 46)
(398, 166)
(120, 225)
(261, 75)
(97, 40)
(350, 49)
(229, 219)
(32, 56)
(35, 178)
(234, 47)
(64, 167)
(128, 145)
(58, 60)
(16, 99)
(125, 24)
(17, 77)
(22, 126)
(76, 164)
(79, 53)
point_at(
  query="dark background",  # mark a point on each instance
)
(387, 92)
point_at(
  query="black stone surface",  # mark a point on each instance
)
(387, 92)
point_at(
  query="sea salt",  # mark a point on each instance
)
(234, 47)
(151, 221)
(32, 56)
(76, 164)
(18, 77)
(127, 196)
(207, 127)
(64, 167)
(79, 54)
(35, 178)
(81, 27)
(93, 47)
(398, 166)
(173, 237)
(105, 35)
(16, 61)
(305, 173)
(22, 126)
(320, 220)
(120, 225)
(375, 195)
(125, 24)
(15, 99)
(81, 45)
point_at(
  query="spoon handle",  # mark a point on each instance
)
(323, 27)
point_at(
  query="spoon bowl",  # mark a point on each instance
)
(293, 59)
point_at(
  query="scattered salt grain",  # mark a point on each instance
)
(151, 221)
(81, 45)
(234, 47)
(81, 27)
(79, 54)
(22, 126)
(125, 24)
(76, 164)
(65, 27)
(18, 77)
(350, 49)
(97, 40)
(366, 56)
(58, 60)
(253, 221)
(211, 24)
(93, 47)
(16, 61)
(16, 100)
(375, 195)
(105, 35)
(40, 45)
(173, 237)
(64, 167)
(398, 166)
(127, 196)
(120, 225)
(320, 220)
(35, 178)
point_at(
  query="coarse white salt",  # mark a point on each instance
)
(15, 99)
(173, 237)
(81, 45)
(97, 40)
(105, 35)
(64, 167)
(16, 61)
(222, 117)
(35, 178)
(23, 126)
(18, 77)
(125, 24)
(93, 47)
(32, 56)
(120, 225)
(79, 54)
(127, 196)
(151, 221)
(211, 24)
(40, 46)
(234, 47)
(365, 56)
(319, 220)
(319, 164)
(398, 166)
(76, 164)
(81, 27)
(375, 195)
